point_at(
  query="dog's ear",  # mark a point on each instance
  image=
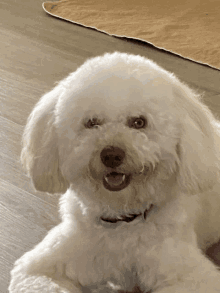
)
(198, 149)
(40, 154)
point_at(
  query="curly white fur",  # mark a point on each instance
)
(174, 164)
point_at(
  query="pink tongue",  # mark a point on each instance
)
(115, 178)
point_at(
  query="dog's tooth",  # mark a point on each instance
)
(115, 180)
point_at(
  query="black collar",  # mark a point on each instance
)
(128, 218)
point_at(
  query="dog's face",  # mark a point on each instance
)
(119, 137)
(122, 133)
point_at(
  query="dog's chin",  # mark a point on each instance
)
(115, 181)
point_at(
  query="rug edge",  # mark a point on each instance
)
(121, 36)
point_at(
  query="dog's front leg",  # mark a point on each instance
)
(39, 284)
(205, 285)
(43, 268)
(184, 269)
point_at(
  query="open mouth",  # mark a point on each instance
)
(116, 181)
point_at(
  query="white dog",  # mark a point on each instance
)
(136, 155)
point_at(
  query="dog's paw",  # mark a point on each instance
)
(108, 287)
(31, 284)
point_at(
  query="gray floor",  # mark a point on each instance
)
(36, 51)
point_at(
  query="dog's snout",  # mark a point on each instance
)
(112, 156)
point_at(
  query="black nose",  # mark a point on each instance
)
(112, 156)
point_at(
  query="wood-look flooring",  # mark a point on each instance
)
(36, 50)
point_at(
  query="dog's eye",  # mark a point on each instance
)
(92, 123)
(137, 123)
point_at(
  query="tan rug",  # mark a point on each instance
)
(190, 28)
